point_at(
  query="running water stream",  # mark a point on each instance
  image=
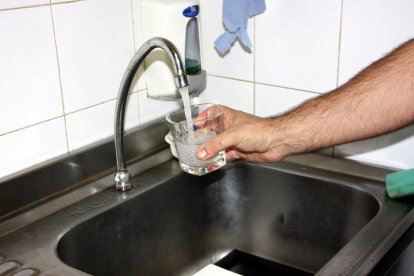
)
(185, 96)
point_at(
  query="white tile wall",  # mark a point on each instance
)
(31, 146)
(238, 63)
(272, 100)
(12, 4)
(96, 123)
(30, 91)
(95, 43)
(297, 44)
(139, 81)
(64, 1)
(151, 110)
(371, 29)
(363, 42)
(233, 93)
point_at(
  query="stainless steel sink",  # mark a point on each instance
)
(311, 213)
(175, 223)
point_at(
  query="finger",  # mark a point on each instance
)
(210, 112)
(214, 146)
(200, 119)
(232, 155)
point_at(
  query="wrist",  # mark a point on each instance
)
(286, 138)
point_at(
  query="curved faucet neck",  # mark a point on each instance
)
(122, 182)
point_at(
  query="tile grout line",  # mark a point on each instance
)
(60, 77)
(32, 125)
(39, 5)
(135, 50)
(69, 113)
(267, 84)
(339, 44)
(133, 25)
(101, 103)
(24, 7)
(254, 65)
(339, 56)
(229, 78)
(141, 38)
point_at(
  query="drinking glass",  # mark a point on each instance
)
(206, 123)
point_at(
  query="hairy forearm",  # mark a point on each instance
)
(378, 100)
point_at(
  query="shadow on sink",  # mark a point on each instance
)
(186, 222)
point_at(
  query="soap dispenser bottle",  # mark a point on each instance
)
(192, 47)
(175, 20)
(196, 76)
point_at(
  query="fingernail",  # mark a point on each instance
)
(202, 153)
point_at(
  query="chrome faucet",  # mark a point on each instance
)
(122, 182)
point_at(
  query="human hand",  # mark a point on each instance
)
(244, 136)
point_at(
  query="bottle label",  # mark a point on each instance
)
(191, 11)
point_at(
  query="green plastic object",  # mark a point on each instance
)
(400, 184)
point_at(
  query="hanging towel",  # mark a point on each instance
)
(235, 16)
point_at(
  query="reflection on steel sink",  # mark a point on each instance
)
(310, 219)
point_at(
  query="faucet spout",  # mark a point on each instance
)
(122, 182)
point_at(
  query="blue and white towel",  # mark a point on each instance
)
(235, 17)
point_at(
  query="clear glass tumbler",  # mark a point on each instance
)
(206, 123)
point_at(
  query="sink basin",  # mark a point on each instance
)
(174, 223)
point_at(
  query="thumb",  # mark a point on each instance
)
(213, 147)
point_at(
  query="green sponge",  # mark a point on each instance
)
(400, 184)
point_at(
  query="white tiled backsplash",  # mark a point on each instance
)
(62, 62)
(297, 44)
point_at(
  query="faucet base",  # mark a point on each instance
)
(122, 182)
